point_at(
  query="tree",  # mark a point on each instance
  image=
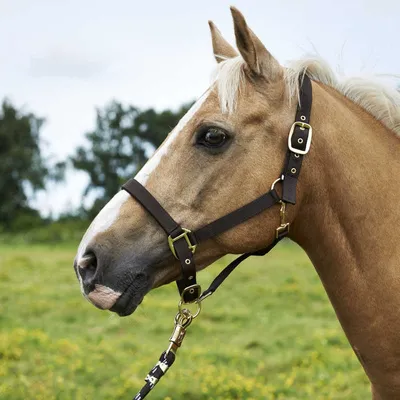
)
(23, 170)
(120, 145)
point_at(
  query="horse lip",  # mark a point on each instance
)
(103, 297)
(127, 302)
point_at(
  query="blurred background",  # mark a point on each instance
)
(89, 90)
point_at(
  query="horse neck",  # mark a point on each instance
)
(348, 223)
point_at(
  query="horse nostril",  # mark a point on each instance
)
(87, 268)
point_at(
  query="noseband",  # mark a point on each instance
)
(183, 242)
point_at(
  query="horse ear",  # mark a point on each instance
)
(257, 57)
(222, 49)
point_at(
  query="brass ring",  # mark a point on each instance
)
(187, 312)
(276, 181)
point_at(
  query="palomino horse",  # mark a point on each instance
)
(227, 151)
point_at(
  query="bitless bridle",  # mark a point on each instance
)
(183, 242)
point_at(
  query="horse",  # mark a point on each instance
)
(226, 152)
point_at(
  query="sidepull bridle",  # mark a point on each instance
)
(183, 242)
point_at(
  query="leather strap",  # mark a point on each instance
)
(152, 206)
(299, 140)
(216, 283)
(237, 217)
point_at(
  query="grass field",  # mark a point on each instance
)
(269, 333)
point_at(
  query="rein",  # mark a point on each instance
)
(183, 242)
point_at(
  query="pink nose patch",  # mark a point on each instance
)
(103, 297)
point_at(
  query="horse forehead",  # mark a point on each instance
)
(144, 174)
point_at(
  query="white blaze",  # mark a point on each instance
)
(151, 165)
(103, 221)
(109, 214)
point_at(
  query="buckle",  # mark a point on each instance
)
(282, 231)
(185, 235)
(193, 290)
(303, 126)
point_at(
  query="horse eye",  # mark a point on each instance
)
(213, 137)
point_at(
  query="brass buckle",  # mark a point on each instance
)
(283, 229)
(184, 234)
(303, 126)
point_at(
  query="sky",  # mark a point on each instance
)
(62, 59)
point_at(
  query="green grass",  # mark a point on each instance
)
(268, 333)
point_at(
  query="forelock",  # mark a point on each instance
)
(228, 78)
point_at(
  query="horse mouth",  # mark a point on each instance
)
(129, 300)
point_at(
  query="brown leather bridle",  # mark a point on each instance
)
(183, 242)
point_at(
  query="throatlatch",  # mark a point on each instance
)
(183, 242)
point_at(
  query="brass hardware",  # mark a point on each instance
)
(186, 310)
(185, 235)
(276, 181)
(281, 229)
(282, 212)
(284, 226)
(191, 289)
(303, 126)
(182, 320)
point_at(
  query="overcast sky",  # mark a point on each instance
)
(61, 59)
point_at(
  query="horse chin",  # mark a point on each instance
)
(130, 299)
(126, 304)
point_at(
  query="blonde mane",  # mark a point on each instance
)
(381, 101)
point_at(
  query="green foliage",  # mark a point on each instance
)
(22, 168)
(268, 333)
(119, 146)
(35, 229)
